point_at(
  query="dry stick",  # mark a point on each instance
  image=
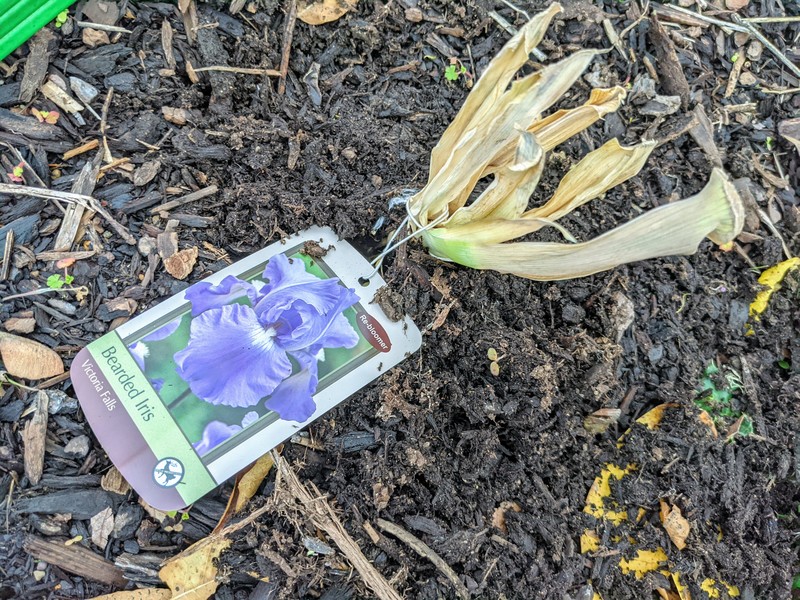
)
(40, 183)
(288, 33)
(207, 191)
(772, 20)
(103, 121)
(85, 201)
(241, 70)
(754, 31)
(101, 27)
(425, 551)
(307, 500)
(7, 249)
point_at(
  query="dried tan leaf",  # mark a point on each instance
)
(180, 264)
(101, 525)
(20, 324)
(114, 482)
(143, 594)
(499, 514)
(677, 228)
(790, 129)
(191, 575)
(323, 11)
(675, 524)
(34, 437)
(251, 481)
(28, 359)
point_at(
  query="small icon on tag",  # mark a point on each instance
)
(168, 472)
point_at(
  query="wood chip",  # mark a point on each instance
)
(33, 438)
(672, 77)
(75, 559)
(790, 130)
(499, 514)
(61, 98)
(36, 65)
(166, 44)
(146, 173)
(94, 37)
(87, 147)
(180, 264)
(20, 325)
(28, 359)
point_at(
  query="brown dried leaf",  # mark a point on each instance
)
(33, 437)
(180, 264)
(147, 172)
(28, 359)
(736, 4)
(323, 11)
(95, 37)
(675, 524)
(191, 575)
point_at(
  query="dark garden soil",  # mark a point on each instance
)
(438, 444)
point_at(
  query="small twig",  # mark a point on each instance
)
(7, 250)
(101, 27)
(754, 31)
(779, 91)
(665, 10)
(772, 20)
(241, 70)
(103, 122)
(288, 33)
(194, 196)
(41, 291)
(85, 201)
(425, 551)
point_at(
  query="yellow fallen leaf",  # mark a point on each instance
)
(191, 575)
(644, 562)
(323, 11)
(771, 280)
(706, 420)
(683, 591)
(251, 481)
(143, 594)
(601, 489)
(675, 524)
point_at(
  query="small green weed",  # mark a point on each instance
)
(61, 18)
(56, 281)
(456, 70)
(716, 396)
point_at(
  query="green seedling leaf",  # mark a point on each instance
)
(784, 364)
(62, 17)
(451, 73)
(735, 57)
(56, 282)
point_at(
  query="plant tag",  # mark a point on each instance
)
(192, 391)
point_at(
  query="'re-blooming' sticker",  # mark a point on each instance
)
(190, 392)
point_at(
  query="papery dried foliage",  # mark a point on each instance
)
(500, 133)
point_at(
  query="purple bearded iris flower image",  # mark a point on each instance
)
(267, 350)
(140, 351)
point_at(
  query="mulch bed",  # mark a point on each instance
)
(438, 444)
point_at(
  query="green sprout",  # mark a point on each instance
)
(61, 18)
(56, 281)
(796, 582)
(454, 70)
(770, 142)
(784, 364)
(735, 57)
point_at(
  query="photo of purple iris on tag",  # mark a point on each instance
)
(251, 348)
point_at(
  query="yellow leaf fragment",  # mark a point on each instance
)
(323, 11)
(712, 587)
(771, 280)
(653, 417)
(644, 562)
(683, 591)
(675, 524)
(590, 541)
(251, 481)
(601, 489)
(191, 575)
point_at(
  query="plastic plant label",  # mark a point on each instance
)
(192, 391)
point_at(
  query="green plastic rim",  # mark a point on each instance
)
(21, 19)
